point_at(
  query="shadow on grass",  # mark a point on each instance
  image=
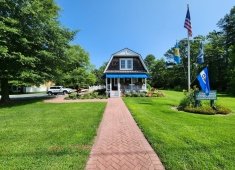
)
(24, 101)
(52, 151)
(225, 95)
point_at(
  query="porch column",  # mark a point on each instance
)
(110, 85)
(118, 81)
(145, 82)
(131, 84)
(106, 82)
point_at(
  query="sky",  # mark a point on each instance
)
(144, 26)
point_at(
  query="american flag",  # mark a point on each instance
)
(187, 23)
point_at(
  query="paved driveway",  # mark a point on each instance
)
(29, 96)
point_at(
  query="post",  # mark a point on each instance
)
(131, 84)
(145, 84)
(106, 82)
(189, 81)
(118, 80)
(110, 85)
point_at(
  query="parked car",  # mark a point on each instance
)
(59, 90)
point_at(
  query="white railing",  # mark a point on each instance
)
(93, 88)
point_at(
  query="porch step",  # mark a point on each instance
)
(114, 94)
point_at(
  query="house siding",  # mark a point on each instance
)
(115, 64)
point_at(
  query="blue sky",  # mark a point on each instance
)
(145, 26)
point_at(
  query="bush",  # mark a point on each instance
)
(93, 95)
(101, 92)
(155, 93)
(158, 93)
(206, 109)
(200, 110)
(188, 100)
(72, 96)
(222, 110)
(188, 104)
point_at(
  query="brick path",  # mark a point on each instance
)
(120, 144)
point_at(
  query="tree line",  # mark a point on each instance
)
(219, 56)
(35, 48)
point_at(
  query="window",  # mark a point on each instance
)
(126, 64)
(123, 64)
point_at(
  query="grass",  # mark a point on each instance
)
(185, 140)
(40, 135)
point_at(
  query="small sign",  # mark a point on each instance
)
(202, 96)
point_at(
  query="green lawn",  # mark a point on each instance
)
(48, 136)
(185, 140)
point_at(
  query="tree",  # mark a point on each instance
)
(77, 70)
(227, 24)
(99, 74)
(32, 42)
(216, 59)
(149, 62)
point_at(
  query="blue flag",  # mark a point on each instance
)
(177, 54)
(204, 81)
(200, 57)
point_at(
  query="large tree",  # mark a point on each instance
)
(99, 73)
(32, 42)
(77, 71)
(227, 24)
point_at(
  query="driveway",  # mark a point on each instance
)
(29, 96)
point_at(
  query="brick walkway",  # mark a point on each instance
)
(120, 144)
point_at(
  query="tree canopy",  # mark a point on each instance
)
(77, 72)
(32, 42)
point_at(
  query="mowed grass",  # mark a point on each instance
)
(48, 136)
(185, 140)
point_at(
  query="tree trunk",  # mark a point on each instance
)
(4, 90)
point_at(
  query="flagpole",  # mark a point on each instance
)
(189, 81)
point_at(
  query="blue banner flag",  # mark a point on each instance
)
(204, 81)
(177, 54)
(200, 57)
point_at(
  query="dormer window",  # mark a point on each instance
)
(126, 64)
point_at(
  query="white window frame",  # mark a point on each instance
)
(126, 61)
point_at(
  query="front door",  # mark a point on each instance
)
(114, 84)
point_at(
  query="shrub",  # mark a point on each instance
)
(72, 96)
(206, 109)
(188, 104)
(154, 93)
(95, 94)
(200, 110)
(158, 93)
(188, 100)
(222, 110)
(101, 92)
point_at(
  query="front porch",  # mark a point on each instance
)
(116, 87)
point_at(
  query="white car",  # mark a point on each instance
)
(59, 90)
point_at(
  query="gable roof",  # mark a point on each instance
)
(126, 52)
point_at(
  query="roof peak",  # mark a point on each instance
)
(126, 52)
